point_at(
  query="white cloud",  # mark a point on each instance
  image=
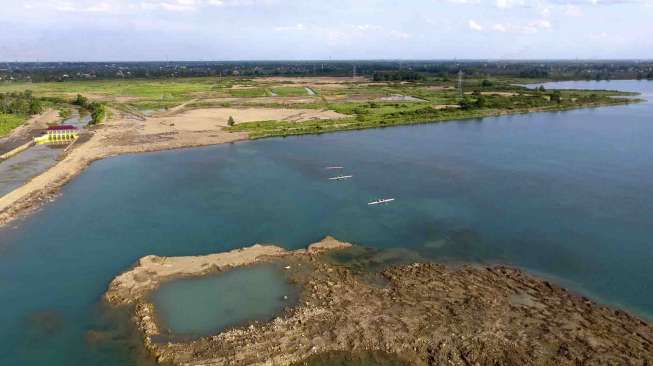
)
(366, 27)
(499, 28)
(68, 6)
(473, 25)
(504, 4)
(573, 11)
(399, 35)
(290, 28)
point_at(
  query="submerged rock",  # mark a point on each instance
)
(424, 314)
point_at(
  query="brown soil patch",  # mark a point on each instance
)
(444, 106)
(212, 118)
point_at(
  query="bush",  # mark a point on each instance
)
(81, 101)
(98, 112)
(231, 121)
(466, 104)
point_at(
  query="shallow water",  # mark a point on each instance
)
(18, 170)
(565, 194)
(208, 305)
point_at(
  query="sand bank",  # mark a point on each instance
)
(150, 271)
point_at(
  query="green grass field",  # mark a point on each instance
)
(289, 91)
(363, 102)
(10, 121)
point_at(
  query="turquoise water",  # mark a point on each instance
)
(565, 194)
(207, 305)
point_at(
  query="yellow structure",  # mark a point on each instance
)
(58, 134)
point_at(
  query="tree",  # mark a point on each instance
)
(231, 121)
(480, 101)
(556, 96)
(486, 83)
(80, 100)
(35, 107)
(98, 112)
(541, 89)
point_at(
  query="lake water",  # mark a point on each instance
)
(207, 305)
(565, 194)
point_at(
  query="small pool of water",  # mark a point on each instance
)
(207, 305)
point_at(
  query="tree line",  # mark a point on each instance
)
(20, 103)
(386, 70)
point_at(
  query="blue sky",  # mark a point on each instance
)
(121, 30)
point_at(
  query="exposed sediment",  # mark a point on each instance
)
(122, 134)
(426, 314)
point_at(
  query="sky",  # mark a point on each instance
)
(144, 30)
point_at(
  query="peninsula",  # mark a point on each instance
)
(141, 115)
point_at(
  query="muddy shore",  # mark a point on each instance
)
(124, 133)
(422, 313)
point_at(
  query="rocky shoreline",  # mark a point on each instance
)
(424, 313)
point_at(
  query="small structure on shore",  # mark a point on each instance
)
(59, 133)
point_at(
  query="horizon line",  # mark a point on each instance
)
(342, 60)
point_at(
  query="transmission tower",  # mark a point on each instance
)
(460, 83)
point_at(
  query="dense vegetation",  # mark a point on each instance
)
(397, 76)
(473, 105)
(97, 110)
(383, 70)
(15, 107)
(20, 103)
(8, 122)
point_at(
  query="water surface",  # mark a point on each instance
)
(207, 305)
(564, 194)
